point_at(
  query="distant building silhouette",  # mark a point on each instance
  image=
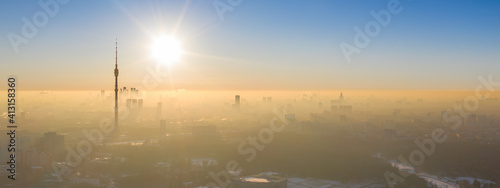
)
(34, 158)
(52, 142)
(236, 104)
(345, 109)
(339, 101)
(335, 108)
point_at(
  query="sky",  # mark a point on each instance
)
(258, 45)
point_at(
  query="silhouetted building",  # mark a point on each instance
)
(33, 158)
(52, 142)
(236, 104)
(345, 109)
(335, 109)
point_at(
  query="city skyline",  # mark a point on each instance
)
(250, 93)
(256, 46)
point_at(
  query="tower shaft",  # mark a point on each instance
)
(116, 86)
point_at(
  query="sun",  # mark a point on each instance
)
(166, 49)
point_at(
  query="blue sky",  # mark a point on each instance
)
(261, 44)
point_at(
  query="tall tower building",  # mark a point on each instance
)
(116, 85)
(236, 104)
(237, 100)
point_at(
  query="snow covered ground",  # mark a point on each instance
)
(441, 182)
(294, 182)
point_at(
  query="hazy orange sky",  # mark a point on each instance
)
(259, 45)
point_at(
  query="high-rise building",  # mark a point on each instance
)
(237, 100)
(32, 158)
(341, 97)
(52, 142)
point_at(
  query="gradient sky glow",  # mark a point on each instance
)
(261, 44)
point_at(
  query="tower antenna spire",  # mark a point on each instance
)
(116, 55)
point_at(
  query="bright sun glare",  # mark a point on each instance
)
(166, 49)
